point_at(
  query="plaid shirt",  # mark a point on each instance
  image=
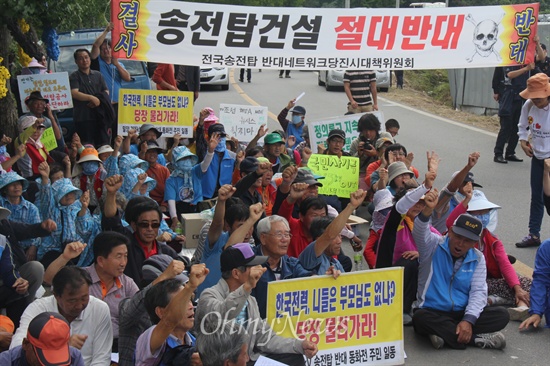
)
(26, 213)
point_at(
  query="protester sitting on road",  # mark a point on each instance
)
(88, 174)
(457, 316)
(169, 305)
(89, 317)
(229, 226)
(183, 189)
(505, 286)
(60, 202)
(397, 247)
(383, 202)
(274, 234)
(158, 172)
(220, 170)
(274, 146)
(133, 319)
(47, 343)
(20, 279)
(12, 187)
(540, 289)
(394, 178)
(394, 153)
(363, 146)
(109, 283)
(454, 193)
(230, 299)
(144, 219)
(381, 144)
(318, 256)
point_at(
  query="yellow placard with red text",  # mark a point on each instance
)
(356, 317)
(171, 112)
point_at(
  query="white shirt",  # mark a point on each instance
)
(94, 321)
(535, 122)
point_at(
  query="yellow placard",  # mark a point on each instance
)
(357, 316)
(171, 112)
(48, 139)
(341, 174)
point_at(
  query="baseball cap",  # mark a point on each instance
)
(336, 133)
(155, 265)
(298, 109)
(49, 333)
(217, 128)
(467, 226)
(381, 141)
(249, 164)
(240, 255)
(273, 138)
(469, 178)
(306, 176)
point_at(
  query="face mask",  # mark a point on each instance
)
(296, 119)
(90, 167)
(185, 165)
(485, 219)
(221, 145)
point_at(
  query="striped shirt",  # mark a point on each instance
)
(360, 84)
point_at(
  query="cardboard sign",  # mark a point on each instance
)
(48, 139)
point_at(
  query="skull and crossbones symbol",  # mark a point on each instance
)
(485, 37)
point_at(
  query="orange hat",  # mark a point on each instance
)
(49, 333)
(7, 324)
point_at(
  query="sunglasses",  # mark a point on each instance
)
(146, 225)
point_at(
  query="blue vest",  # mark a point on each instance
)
(449, 290)
(210, 178)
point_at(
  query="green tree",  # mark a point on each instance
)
(60, 14)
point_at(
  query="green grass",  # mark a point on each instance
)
(434, 83)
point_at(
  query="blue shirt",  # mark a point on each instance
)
(218, 168)
(317, 265)
(175, 187)
(112, 78)
(211, 257)
(26, 213)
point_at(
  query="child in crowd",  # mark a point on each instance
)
(137, 183)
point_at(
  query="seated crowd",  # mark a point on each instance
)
(99, 225)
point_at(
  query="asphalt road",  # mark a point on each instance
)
(505, 185)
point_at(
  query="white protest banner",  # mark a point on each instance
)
(242, 121)
(54, 87)
(217, 35)
(355, 320)
(319, 130)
